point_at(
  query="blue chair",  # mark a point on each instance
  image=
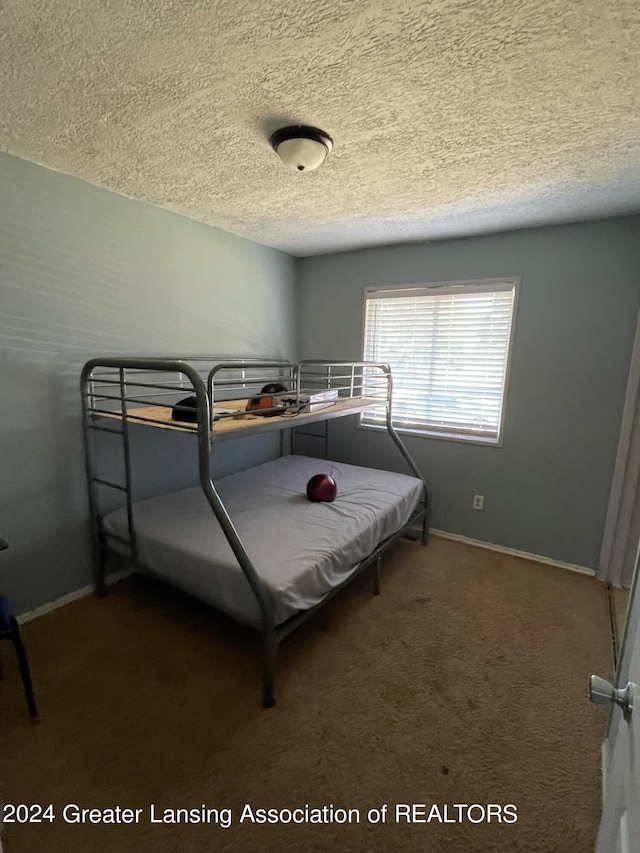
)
(9, 630)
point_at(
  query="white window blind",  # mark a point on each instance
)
(448, 347)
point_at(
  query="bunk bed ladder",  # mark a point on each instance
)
(100, 536)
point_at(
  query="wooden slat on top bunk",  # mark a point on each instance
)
(159, 417)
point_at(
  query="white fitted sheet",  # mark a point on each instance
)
(301, 550)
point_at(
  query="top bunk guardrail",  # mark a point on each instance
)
(230, 395)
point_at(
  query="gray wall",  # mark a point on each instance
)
(546, 489)
(86, 272)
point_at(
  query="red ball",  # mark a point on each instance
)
(321, 487)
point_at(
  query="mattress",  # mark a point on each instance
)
(301, 550)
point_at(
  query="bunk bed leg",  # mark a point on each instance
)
(376, 577)
(269, 651)
(425, 529)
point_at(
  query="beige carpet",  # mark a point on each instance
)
(463, 682)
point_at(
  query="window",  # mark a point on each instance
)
(448, 346)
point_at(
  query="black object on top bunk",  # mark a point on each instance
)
(264, 404)
(185, 410)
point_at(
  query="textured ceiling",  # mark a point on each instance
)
(449, 117)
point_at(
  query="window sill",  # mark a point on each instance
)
(440, 436)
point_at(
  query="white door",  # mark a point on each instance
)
(620, 824)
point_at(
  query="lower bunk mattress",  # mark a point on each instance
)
(300, 549)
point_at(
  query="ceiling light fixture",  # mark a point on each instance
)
(300, 147)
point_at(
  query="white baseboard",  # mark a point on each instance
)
(583, 570)
(67, 599)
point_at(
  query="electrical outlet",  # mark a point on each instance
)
(478, 501)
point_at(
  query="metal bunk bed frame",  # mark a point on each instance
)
(122, 374)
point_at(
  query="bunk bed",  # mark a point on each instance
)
(250, 544)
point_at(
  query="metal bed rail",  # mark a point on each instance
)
(154, 382)
(150, 386)
(110, 385)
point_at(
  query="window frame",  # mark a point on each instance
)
(483, 283)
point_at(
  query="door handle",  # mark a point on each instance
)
(601, 692)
